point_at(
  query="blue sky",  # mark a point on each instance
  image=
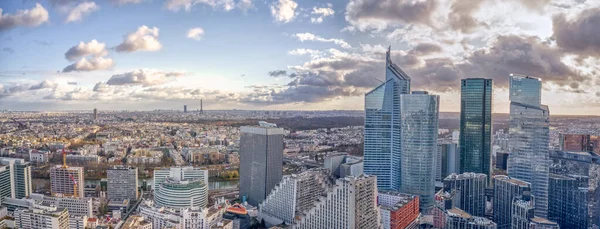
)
(437, 42)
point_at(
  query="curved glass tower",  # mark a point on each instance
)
(529, 138)
(382, 147)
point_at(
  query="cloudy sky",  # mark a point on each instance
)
(289, 54)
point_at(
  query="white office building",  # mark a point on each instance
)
(180, 173)
(48, 217)
(181, 194)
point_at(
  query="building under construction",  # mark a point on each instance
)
(67, 181)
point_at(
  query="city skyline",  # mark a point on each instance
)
(288, 55)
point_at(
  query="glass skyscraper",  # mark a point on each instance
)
(476, 126)
(529, 137)
(382, 145)
(419, 112)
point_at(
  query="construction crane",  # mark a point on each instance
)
(74, 185)
(64, 154)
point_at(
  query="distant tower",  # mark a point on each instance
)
(184, 108)
(95, 114)
(201, 111)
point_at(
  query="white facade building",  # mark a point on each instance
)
(49, 217)
(180, 173)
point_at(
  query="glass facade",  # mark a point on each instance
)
(476, 126)
(419, 113)
(529, 138)
(382, 149)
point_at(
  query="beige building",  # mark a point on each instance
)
(137, 222)
(61, 182)
(47, 217)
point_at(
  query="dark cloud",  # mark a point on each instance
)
(46, 84)
(143, 77)
(461, 15)
(277, 73)
(8, 50)
(425, 49)
(580, 35)
(30, 18)
(42, 43)
(369, 13)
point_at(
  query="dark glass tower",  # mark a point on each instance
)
(476, 126)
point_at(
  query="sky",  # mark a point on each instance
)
(290, 54)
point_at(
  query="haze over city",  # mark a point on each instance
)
(288, 55)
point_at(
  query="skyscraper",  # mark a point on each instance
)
(476, 126)
(261, 161)
(184, 108)
(471, 189)
(418, 134)
(15, 178)
(122, 183)
(382, 149)
(95, 114)
(529, 138)
(567, 202)
(505, 190)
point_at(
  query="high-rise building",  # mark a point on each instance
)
(181, 194)
(180, 173)
(382, 147)
(351, 203)
(261, 161)
(67, 181)
(567, 202)
(584, 167)
(122, 183)
(95, 114)
(505, 190)
(476, 126)
(15, 178)
(50, 217)
(293, 195)
(522, 211)
(450, 162)
(398, 210)
(459, 219)
(342, 165)
(471, 189)
(184, 108)
(580, 143)
(529, 138)
(419, 132)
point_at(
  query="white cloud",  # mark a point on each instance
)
(311, 37)
(144, 77)
(245, 4)
(284, 10)
(123, 2)
(31, 18)
(321, 13)
(143, 39)
(300, 52)
(92, 64)
(82, 49)
(195, 33)
(81, 10)
(227, 5)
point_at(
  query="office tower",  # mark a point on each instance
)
(351, 203)
(584, 167)
(180, 173)
(459, 219)
(419, 131)
(48, 217)
(342, 165)
(122, 183)
(476, 126)
(181, 194)
(261, 161)
(567, 202)
(471, 189)
(67, 181)
(15, 178)
(501, 160)
(529, 138)
(450, 161)
(522, 211)
(505, 190)
(398, 210)
(293, 195)
(580, 143)
(184, 108)
(382, 149)
(95, 114)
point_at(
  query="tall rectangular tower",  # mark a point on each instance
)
(476, 126)
(15, 178)
(505, 190)
(419, 132)
(67, 181)
(261, 161)
(122, 183)
(382, 147)
(529, 138)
